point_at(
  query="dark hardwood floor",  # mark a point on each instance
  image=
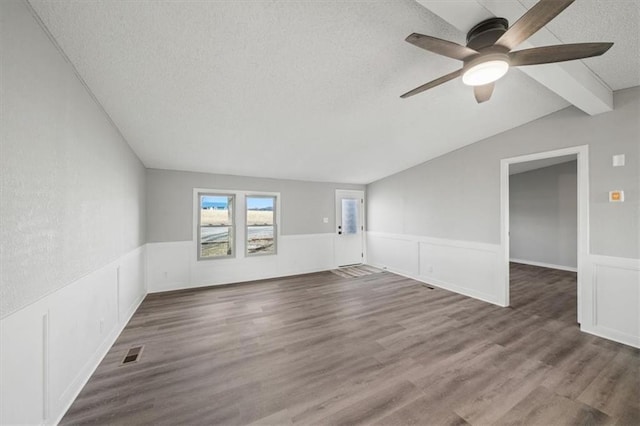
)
(379, 349)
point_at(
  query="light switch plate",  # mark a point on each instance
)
(618, 160)
(325, 220)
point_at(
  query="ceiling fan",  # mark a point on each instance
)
(488, 53)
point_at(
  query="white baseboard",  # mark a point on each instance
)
(615, 335)
(545, 265)
(440, 284)
(50, 348)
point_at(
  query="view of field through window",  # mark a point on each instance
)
(260, 225)
(216, 225)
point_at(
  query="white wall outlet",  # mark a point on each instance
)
(618, 160)
(101, 325)
(166, 275)
(429, 268)
(325, 220)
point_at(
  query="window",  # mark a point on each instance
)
(216, 226)
(261, 225)
(350, 215)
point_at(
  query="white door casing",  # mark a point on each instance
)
(582, 153)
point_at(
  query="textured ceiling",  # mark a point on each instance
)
(300, 89)
(604, 20)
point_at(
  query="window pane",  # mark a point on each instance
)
(261, 225)
(350, 216)
(216, 225)
(260, 210)
(216, 241)
(260, 240)
(216, 210)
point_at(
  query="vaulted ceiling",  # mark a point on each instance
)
(310, 89)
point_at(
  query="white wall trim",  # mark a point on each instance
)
(613, 298)
(474, 245)
(92, 364)
(46, 407)
(443, 285)
(429, 260)
(206, 286)
(611, 293)
(50, 348)
(39, 318)
(544, 265)
(306, 236)
(582, 153)
(611, 334)
(173, 265)
(618, 262)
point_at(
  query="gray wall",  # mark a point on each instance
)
(71, 189)
(457, 195)
(543, 215)
(170, 202)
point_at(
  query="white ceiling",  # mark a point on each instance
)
(304, 89)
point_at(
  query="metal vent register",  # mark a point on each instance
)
(132, 355)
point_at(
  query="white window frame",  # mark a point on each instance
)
(240, 246)
(246, 225)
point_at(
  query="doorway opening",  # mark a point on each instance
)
(543, 245)
(558, 213)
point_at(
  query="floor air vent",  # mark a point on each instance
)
(132, 355)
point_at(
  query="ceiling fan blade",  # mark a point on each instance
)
(441, 47)
(483, 93)
(434, 83)
(535, 18)
(559, 53)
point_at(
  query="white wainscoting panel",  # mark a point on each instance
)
(465, 267)
(397, 253)
(610, 298)
(22, 396)
(50, 348)
(173, 265)
(168, 265)
(613, 294)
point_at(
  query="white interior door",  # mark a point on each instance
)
(349, 241)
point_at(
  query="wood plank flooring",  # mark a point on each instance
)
(378, 349)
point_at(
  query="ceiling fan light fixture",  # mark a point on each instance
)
(485, 72)
(489, 53)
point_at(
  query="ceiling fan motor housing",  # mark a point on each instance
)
(493, 60)
(486, 33)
